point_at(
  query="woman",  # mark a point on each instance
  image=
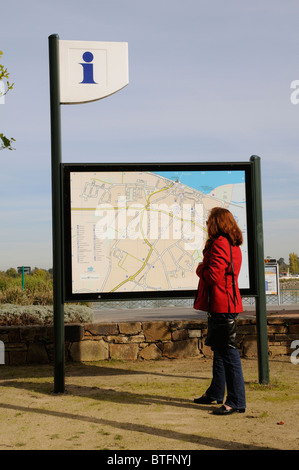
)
(219, 295)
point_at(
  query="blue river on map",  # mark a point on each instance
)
(204, 181)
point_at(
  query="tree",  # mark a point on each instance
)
(283, 267)
(5, 142)
(12, 272)
(40, 273)
(294, 263)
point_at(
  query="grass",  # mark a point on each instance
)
(275, 384)
(143, 405)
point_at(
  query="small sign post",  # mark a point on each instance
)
(23, 270)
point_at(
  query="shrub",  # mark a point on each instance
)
(14, 315)
(38, 288)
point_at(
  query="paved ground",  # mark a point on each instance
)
(180, 313)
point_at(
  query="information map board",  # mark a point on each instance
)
(136, 231)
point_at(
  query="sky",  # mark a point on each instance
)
(209, 81)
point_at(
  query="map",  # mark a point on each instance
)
(145, 231)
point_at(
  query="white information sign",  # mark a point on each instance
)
(91, 70)
(271, 280)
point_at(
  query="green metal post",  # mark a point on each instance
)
(260, 302)
(23, 279)
(58, 306)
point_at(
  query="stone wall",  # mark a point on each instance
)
(137, 340)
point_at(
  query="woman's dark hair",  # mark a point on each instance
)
(222, 222)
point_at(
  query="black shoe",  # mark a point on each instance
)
(222, 411)
(206, 400)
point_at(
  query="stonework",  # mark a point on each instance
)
(130, 341)
(88, 351)
(181, 349)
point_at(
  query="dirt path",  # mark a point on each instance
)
(144, 406)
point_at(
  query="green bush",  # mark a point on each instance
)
(15, 315)
(34, 304)
(38, 288)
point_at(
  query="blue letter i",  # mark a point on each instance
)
(87, 68)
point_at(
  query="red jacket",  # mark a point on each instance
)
(215, 289)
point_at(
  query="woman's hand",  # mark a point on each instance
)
(199, 268)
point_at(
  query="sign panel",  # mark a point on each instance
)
(91, 70)
(138, 231)
(271, 277)
(24, 269)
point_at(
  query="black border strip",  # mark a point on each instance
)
(67, 168)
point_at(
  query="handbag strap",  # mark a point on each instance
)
(233, 274)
